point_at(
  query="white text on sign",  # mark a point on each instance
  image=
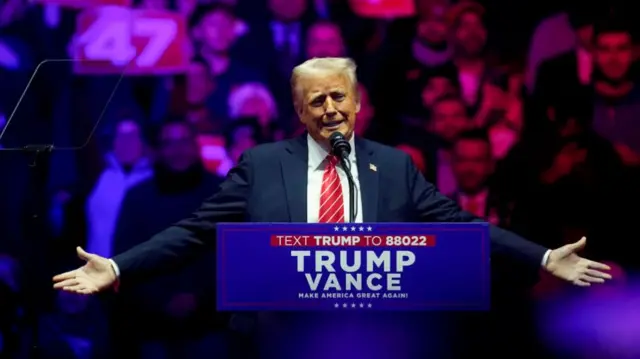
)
(374, 272)
(353, 241)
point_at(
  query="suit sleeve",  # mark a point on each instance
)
(433, 206)
(182, 242)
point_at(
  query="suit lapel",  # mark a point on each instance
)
(368, 178)
(294, 174)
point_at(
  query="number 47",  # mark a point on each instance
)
(111, 40)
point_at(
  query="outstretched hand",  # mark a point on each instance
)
(565, 264)
(96, 275)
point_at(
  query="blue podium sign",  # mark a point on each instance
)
(389, 266)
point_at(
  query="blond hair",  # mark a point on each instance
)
(323, 66)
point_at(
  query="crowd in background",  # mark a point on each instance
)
(525, 113)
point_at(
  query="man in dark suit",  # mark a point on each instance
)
(297, 180)
(567, 77)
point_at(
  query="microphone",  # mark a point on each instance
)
(340, 147)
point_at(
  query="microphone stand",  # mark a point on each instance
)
(346, 166)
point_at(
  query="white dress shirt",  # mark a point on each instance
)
(315, 172)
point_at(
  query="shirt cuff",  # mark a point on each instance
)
(545, 258)
(116, 270)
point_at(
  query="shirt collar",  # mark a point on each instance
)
(317, 154)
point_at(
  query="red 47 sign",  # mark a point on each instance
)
(385, 9)
(113, 40)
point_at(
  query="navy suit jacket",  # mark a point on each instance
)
(269, 185)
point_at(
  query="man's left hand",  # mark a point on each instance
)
(565, 264)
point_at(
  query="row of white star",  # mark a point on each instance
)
(352, 228)
(352, 305)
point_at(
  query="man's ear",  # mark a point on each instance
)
(297, 108)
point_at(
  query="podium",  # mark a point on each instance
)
(353, 267)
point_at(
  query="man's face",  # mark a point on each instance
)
(199, 83)
(178, 147)
(432, 31)
(327, 103)
(324, 40)
(436, 87)
(288, 10)
(449, 119)
(472, 164)
(613, 55)
(128, 147)
(470, 34)
(218, 31)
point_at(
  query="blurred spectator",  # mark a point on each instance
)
(240, 136)
(365, 118)
(9, 272)
(15, 54)
(577, 171)
(126, 166)
(482, 86)
(449, 119)
(254, 100)
(434, 139)
(174, 315)
(553, 36)
(617, 103)
(503, 136)
(430, 46)
(199, 86)
(278, 36)
(425, 90)
(287, 29)
(472, 165)
(469, 36)
(214, 31)
(440, 82)
(565, 78)
(324, 39)
(188, 97)
(69, 331)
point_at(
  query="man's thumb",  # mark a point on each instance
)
(578, 245)
(82, 254)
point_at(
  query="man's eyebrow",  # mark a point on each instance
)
(317, 96)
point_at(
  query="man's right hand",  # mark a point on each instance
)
(96, 275)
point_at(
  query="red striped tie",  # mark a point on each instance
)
(331, 202)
